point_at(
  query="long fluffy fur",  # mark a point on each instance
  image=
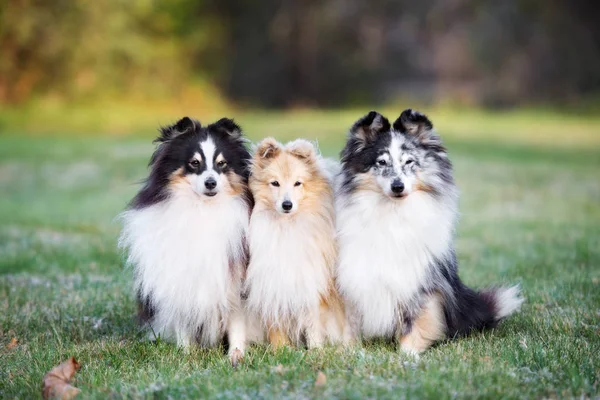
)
(188, 250)
(397, 265)
(182, 255)
(290, 281)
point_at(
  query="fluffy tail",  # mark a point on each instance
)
(473, 310)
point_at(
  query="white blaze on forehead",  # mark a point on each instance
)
(384, 156)
(396, 152)
(208, 148)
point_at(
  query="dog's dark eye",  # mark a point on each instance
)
(298, 183)
(408, 162)
(275, 183)
(194, 163)
(382, 162)
(222, 164)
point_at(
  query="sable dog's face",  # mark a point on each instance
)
(395, 160)
(206, 162)
(285, 178)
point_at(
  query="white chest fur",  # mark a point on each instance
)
(287, 274)
(180, 251)
(386, 248)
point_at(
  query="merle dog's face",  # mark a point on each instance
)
(395, 168)
(206, 162)
(395, 160)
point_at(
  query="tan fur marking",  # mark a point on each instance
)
(333, 316)
(302, 149)
(423, 187)
(177, 178)
(233, 184)
(318, 199)
(267, 149)
(366, 181)
(427, 328)
(412, 128)
(277, 338)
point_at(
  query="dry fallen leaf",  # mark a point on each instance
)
(523, 343)
(56, 382)
(278, 369)
(321, 379)
(13, 343)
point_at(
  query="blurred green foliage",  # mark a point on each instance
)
(75, 49)
(274, 53)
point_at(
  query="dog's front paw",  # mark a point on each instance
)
(236, 356)
(410, 351)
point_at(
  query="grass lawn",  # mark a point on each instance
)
(530, 214)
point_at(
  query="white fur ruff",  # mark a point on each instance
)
(180, 251)
(386, 248)
(286, 275)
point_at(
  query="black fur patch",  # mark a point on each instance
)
(146, 310)
(177, 145)
(368, 137)
(465, 309)
(415, 125)
(412, 122)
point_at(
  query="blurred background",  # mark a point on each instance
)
(65, 62)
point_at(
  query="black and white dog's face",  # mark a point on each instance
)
(395, 159)
(207, 162)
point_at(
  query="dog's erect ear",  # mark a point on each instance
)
(267, 149)
(368, 127)
(412, 122)
(227, 126)
(168, 133)
(184, 125)
(302, 149)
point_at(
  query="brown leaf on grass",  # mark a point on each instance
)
(13, 343)
(321, 379)
(56, 382)
(279, 369)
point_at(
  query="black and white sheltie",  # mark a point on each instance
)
(185, 234)
(396, 214)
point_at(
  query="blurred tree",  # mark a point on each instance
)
(281, 53)
(75, 48)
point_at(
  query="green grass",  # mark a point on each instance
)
(530, 214)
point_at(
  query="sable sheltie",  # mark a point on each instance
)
(396, 214)
(290, 278)
(185, 234)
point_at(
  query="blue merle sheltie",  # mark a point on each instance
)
(185, 235)
(396, 214)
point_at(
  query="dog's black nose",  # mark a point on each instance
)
(210, 183)
(397, 186)
(287, 205)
